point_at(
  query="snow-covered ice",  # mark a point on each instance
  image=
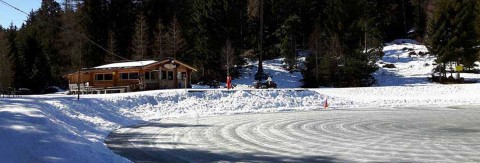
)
(345, 135)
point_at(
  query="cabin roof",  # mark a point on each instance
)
(126, 64)
(178, 62)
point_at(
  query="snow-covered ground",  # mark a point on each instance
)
(275, 69)
(58, 128)
(409, 69)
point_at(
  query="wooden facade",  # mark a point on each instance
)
(142, 75)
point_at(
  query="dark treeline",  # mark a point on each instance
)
(344, 37)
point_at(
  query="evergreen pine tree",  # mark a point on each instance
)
(17, 60)
(33, 70)
(94, 24)
(289, 33)
(341, 59)
(450, 33)
(420, 13)
(122, 17)
(70, 43)
(5, 62)
(48, 21)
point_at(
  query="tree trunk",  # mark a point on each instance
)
(260, 75)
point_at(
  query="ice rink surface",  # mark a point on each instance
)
(354, 135)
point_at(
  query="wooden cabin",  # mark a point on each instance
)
(132, 76)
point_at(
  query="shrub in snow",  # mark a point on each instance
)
(389, 66)
(411, 53)
(421, 54)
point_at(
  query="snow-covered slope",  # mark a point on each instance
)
(409, 69)
(275, 69)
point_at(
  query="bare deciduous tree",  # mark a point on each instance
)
(228, 57)
(111, 47)
(175, 41)
(140, 38)
(158, 44)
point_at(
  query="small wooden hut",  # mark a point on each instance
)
(130, 76)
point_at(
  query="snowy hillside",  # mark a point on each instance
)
(408, 69)
(275, 69)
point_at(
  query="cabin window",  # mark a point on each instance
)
(129, 76)
(147, 75)
(103, 77)
(124, 76)
(151, 75)
(181, 75)
(170, 75)
(98, 77)
(133, 75)
(164, 75)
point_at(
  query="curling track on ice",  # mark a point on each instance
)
(354, 135)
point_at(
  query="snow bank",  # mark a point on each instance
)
(403, 96)
(58, 128)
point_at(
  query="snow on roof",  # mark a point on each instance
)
(126, 64)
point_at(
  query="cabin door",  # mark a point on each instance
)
(170, 80)
(166, 79)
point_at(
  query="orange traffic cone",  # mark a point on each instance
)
(325, 105)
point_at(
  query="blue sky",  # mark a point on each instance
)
(8, 14)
